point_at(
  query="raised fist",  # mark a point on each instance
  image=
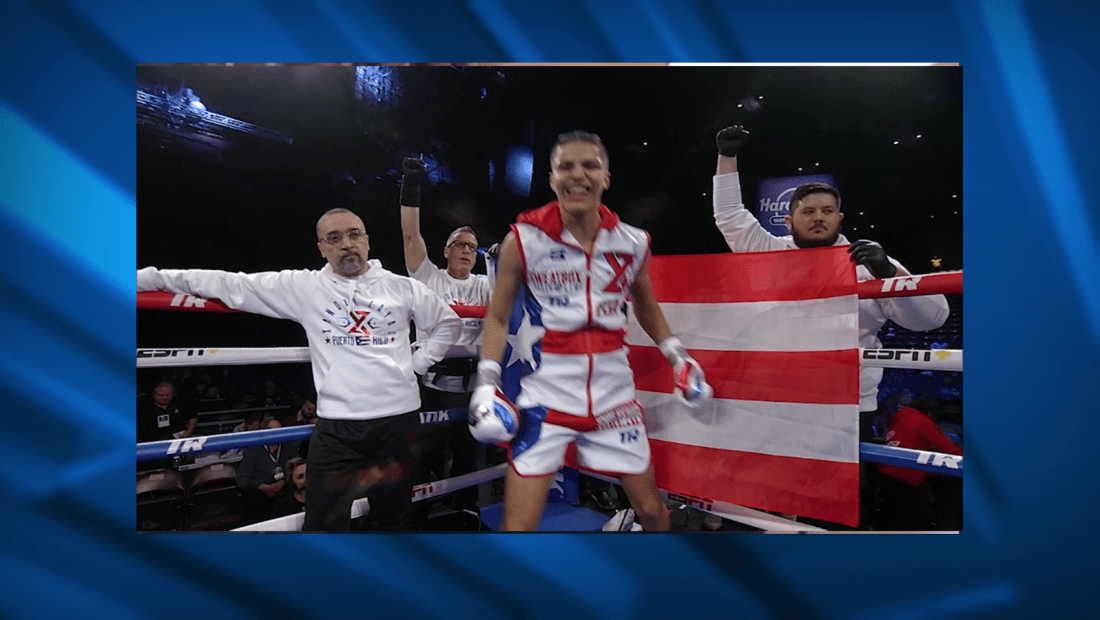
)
(730, 140)
(412, 166)
(412, 171)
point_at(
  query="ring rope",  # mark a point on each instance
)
(163, 300)
(932, 462)
(360, 507)
(733, 512)
(919, 359)
(945, 283)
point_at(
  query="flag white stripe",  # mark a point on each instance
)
(808, 325)
(810, 431)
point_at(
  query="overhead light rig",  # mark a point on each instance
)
(186, 111)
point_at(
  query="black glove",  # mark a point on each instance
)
(731, 139)
(412, 170)
(871, 254)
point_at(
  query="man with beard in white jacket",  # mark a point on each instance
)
(814, 221)
(356, 317)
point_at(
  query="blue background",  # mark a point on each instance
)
(67, 136)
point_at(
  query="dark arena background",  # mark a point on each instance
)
(1011, 132)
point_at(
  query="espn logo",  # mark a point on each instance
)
(916, 355)
(147, 353)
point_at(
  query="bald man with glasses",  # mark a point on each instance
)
(356, 316)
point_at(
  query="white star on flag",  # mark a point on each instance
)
(523, 340)
(556, 483)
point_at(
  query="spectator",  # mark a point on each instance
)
(906, 496)
(252, 421)
(261, 475)
(294, 500)
(159, 418)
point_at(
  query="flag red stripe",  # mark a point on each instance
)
(811, 273)
(808, 487)
(815, 377)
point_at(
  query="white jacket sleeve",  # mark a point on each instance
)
(919, 314)
(438, 321)
(741, 229)
(276, 294)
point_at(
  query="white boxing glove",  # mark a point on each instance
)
(689, 383)
(493, 418)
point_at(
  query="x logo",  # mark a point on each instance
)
(618, 279)
(358, 327)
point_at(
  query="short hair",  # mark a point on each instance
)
(293, 464)
(813, 188)
(462, 229)
(581, 136)
(330, 212)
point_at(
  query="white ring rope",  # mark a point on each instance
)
(918, 359)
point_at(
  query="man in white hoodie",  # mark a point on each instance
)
(815, 222)
(356, 317)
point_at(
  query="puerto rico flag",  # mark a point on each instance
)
(777, 335)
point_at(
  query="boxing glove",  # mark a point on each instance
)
(689, 382)
(492, 418)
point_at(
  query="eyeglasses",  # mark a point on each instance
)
(336, 238)
(464, 245)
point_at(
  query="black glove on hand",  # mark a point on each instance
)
(730, 140)
(412, 172)
(871, 254)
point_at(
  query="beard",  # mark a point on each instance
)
(803, 242)
(350, 265)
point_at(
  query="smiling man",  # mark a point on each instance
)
(580, 263)
(356, 317)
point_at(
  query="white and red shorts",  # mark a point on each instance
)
(613, 442)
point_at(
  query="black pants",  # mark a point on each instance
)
(437, 441)
(341, 452)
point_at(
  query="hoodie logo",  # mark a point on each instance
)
(358, 324)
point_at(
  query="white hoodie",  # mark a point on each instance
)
(358, 328)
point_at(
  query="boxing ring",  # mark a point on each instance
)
(918, 359)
